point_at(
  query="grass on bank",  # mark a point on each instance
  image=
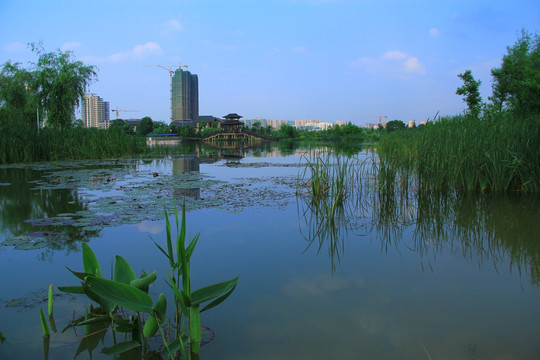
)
(19, 144)
(498, 152)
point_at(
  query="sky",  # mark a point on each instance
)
(331, 60)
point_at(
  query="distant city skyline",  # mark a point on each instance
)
(282, 59)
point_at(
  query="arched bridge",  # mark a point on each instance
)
(246, 136)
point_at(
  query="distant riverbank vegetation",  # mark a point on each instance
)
(493, 146)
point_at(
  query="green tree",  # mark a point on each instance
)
(516, 84)
(395, 125)
(159, 127)
(146, 126)
(186, 131)
(60, 82)
(470, 92)
(287, 131)
(256, 126)
(18, 100)
(121, 126)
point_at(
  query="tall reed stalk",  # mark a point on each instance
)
(497, 152)
(21, 144)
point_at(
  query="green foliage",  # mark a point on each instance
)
(470, 92)
(395, 125)
(186, 131)
(60, 82)
(146, 126)
(287, 131)
(120, 126)
(20, 143)
(497, 152)
(18, 101)
(127, 292)
(187, 303)
(516, 84)
(208, 131)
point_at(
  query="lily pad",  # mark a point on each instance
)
(16, 302)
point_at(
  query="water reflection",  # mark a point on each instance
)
(38, 215)
(498, 228)
(187, 164)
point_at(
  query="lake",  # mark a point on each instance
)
(399, 275)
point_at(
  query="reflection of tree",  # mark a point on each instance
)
(18, 204)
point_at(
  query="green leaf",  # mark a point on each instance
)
(144, 282)
(161, 307)
(123, 271)
(90, 262)
(170, 254)
(164, 252)
(180, 296)
(44, 326)
(80, 275)
(210, 292)
(191, 247)
(121, 294)
(120, 347)
(218, 301)
(50, 302)
(194, 330)
(72, 289)
(151, 326)
(156, 318)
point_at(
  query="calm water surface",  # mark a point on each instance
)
(406, 277)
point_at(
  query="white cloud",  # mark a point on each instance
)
(434, 32)
(315, 286)
(70, 46)
(15, 47)
(391, 62)
(138, 52)
(299, 49)
(412, 65)
(171, 26)
(395, 55)
(150, 227)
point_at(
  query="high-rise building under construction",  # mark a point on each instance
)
(184, 96)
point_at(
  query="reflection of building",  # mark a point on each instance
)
(185, 165)
(184, 97)
(95, 112)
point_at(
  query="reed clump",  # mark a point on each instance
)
(19, 144)
(496, 152)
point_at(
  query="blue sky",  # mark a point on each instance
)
(277, 59)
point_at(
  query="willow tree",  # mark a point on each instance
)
(60, 81)
(18, 102)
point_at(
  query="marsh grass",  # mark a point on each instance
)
(19, 144)
(498, 152)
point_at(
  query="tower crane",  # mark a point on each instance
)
(170, 68)
(118, 111)
(380, 117)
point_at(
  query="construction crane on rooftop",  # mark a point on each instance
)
(117, 111)
(169, 68)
